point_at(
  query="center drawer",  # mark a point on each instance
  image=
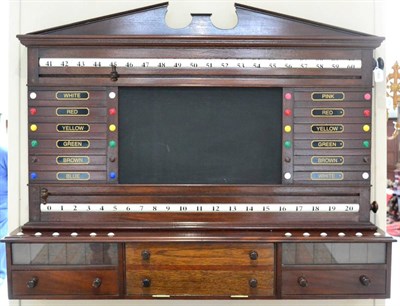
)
(200, 269)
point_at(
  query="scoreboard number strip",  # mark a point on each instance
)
(201, 208)
(204, 63)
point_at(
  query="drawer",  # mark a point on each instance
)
(334, 282)
(200, 269)
(64, 283)
(191, 282)
(200, 254)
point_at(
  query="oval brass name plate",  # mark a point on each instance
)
(327, 128)
(327, 176)
(327, 112)
(327, 144)
(73, 144)
(72, 111)
(73, 176)
(72, 95)
(73, 128)
(73, 160)
(327, 96)
(327, 160)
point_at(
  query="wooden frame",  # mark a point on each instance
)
(74, 76)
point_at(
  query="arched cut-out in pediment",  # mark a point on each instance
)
(151, 21)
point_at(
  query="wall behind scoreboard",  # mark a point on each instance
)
(33, 15)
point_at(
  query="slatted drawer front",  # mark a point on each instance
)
(65, 282)
(210, 269)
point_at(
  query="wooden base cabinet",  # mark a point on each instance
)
(132, 269)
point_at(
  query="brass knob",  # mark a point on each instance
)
(146, 283)
(302, 281)
(253, 255)
(253, 283)
(96, 282)
(146, 255)
(365, 280)
(32, 283)
(114, 75)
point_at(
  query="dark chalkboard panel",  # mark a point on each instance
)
(197, 135)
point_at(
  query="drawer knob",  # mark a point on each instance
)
(253, 283)
(302, 281)
(253, 255)
(96, 282)
(146, 283)
(44, 194)
(32, 283)
(146, 255)
(374, 207)
(365, 281)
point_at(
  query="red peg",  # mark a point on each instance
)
(367, 113)
(33, 111)
(112, 111)
(288, 112)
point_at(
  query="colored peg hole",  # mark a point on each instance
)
(288, 144)
(112, 144)
(365, 175)
(288, 96)
(367, 96)
(34, 127)
(34, 143)
(34, 175)
(112, 175)
(366, 128)
(112, 127)
(33, 95)
(367, 113)
(366, 144)
(288, 112)
(33, 111)
(112, 111)
(288, 128)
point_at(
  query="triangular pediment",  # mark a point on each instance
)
(151, 21)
